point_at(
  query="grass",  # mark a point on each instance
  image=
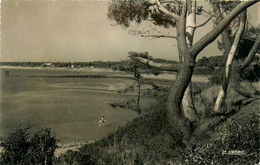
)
(133, 142)
(147, 140)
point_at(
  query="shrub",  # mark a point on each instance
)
(73, 157)
(240, 135)
(42, 147)
(252, 73)
(237, 135)
(20, 148)
(16, 147)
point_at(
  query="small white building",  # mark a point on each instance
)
(47, 64)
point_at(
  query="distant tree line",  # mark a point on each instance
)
(205, 66)
(215, 66)
(98, 64)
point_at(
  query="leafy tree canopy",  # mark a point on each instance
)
(126, 11)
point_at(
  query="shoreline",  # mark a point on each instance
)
(107, 72)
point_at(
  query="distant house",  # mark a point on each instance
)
(47, 64)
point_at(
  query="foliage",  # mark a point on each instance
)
(149, 89)
(130, 104)
(129, 66)
(215, 66)
(20, 148)
(217, 78)
(252, 73)
(43, 146)
(72, 157)
(16, 147)
(126, 11)
(137, 69)
(235, 136)
(146, 140)
(236, 142)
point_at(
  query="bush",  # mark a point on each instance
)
(216, 79)
(42, 147)
(20, 148)
(74, 157)
(252, 73)
(240, 135)
(16, 147)
(237, 135)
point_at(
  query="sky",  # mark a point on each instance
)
(77, 31)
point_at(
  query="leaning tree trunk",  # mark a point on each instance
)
(180, 125)
(219, 105)
(187, 101)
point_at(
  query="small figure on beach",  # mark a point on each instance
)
(102, 121)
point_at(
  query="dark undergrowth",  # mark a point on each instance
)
(147, 140)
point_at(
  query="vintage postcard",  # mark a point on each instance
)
(129, 82)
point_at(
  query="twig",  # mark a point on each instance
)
(202, 24)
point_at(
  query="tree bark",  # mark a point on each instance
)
(226, 40)
(224, 86)
(180, 124)
(188, 106)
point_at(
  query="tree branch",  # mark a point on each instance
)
(153, 33)
(184, 9)
(202, 24)
(155, 65)
(159, 36)
(213, 34)
(164, 10)
(251, 53)
(171, 2)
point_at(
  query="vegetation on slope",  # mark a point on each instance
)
(147, 139)
(22, 148)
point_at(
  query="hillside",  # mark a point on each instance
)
(147, 140)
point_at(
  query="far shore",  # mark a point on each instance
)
(109, 72)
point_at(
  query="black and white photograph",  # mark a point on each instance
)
(129, 82)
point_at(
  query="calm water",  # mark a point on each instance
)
(71, 107)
